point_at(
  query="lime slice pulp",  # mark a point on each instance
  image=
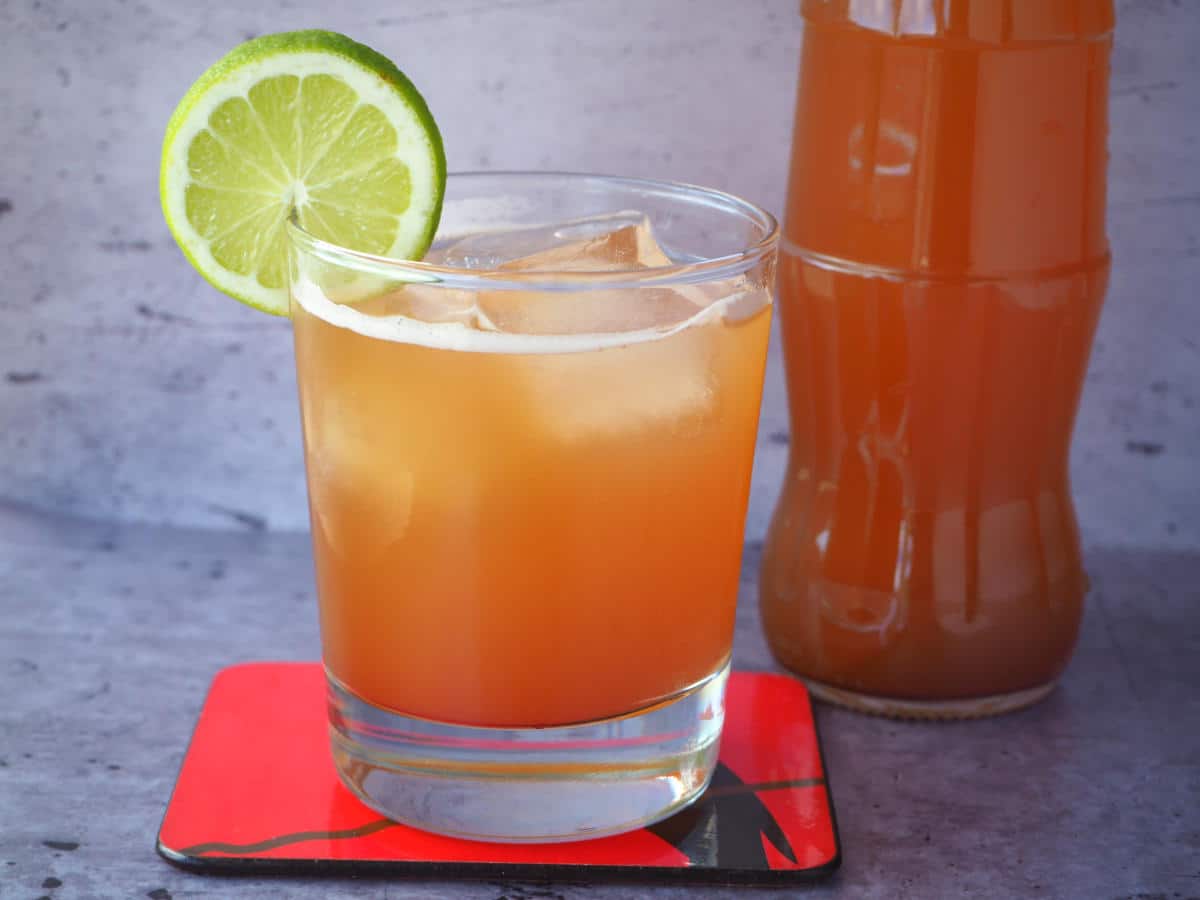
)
(304, 120)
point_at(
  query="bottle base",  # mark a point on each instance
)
(527, 785)
(929, 710)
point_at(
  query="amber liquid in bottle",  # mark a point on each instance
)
(942, 271)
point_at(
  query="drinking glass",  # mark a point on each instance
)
(528, 463)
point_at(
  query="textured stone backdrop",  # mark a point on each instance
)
(129, 389)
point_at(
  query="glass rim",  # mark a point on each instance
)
(699, 271)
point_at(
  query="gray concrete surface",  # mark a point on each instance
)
(111, 634)
(151, 491)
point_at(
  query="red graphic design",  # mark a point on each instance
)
(257, 792)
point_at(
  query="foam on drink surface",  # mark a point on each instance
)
(545, 319)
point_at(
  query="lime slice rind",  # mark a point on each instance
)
(271, 127)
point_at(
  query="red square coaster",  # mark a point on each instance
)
(257, 793)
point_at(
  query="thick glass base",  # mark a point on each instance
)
(899, 708)
(530, 784)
